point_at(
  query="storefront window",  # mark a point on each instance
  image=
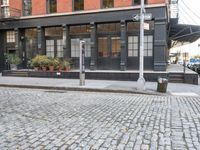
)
(108, 3)
(133, 46)
(80, 29)
(116, 48)
(103, 50)
(31, 43)
(53, 32)
(75, 47)
(148, 45)
(111, 27)
(78, 5)
(10, 36)
(60, 52)
(50, 48)
(135, 26)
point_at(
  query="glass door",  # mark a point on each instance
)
(54, 48)
(109, 52)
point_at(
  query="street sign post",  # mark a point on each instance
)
(82, 63)
(141, 80)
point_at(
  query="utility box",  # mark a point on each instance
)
(162, 85)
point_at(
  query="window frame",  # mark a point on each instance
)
(23, 8)
(76, 53)
(48, 10)
(10, 36)
(133, 43)
(102, 5)
(147, 43)
(136, 4)
(73, 4)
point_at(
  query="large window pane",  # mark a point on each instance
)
(10, 36)
(133, 46)
(148, 45)
(31, 43)
(135, 26)
(108, 3)
(103, 50)
(27, 7)
(80, 29)
(116, 48)
(111, 27)
(50, 48)
(60, 52)
(75, 47)
(78, 5)
(53, 32)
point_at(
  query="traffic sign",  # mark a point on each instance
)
(147, 16)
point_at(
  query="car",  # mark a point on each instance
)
(196, 67)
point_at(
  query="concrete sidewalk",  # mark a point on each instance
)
(98, 86)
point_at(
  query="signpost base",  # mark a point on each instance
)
(141, 84)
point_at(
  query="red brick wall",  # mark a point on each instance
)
(92, 4)
(64, 6)
(122, 3)
(156, 1)
(16, 4)
(38, 7)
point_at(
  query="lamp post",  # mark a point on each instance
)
(141, 80)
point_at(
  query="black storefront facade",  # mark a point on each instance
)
(112, 38)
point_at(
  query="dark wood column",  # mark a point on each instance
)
(123, 38)
(19, 38)
(93, 62)
(66, 41)
(160, 45)
(2, 50)
(41, 41)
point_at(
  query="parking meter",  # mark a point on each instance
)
(82, 63)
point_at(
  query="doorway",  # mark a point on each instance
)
(109, 52)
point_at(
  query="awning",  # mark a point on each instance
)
(183, 32)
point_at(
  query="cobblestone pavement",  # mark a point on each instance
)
(38, 119)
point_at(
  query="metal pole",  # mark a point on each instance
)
(82, 63)
(141, 80)
(184, 64)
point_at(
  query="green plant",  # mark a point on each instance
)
(13, 59)
(40, 61)
(65, 64)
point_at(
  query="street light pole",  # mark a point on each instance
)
(141, 80)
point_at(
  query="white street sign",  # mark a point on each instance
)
(147, 16)
(146, 26)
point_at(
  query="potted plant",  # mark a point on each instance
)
(44, 62)
(65, 65)
(13, 60)
(53, 63)
(35, 62)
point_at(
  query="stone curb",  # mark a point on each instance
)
(134, 91)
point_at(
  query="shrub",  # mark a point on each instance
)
(40, 61)
(13, 59)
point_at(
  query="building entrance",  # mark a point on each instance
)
(109, 51)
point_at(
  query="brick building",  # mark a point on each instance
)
(55, 27)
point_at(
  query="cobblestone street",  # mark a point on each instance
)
(39, 119)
